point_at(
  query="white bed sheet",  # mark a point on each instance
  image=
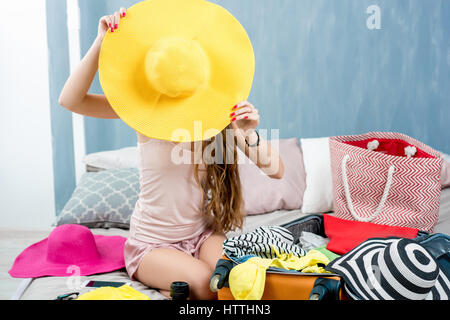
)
(50, 287)
(47, 288)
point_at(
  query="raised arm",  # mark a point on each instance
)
(75, 96)
(245, 119)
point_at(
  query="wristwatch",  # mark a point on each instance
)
(255, 144)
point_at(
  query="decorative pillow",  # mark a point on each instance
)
(104, 199)
(318, 196)
(445, 172)
(113, 159)
(263, 194)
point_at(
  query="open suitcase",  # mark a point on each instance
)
(286, 285)
(293, 285)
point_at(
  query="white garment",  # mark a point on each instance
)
(309, 241)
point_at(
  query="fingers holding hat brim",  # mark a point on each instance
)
(107, 22)
(123, 12)
(150, 21)
(116, 20)
(146, 23)
(225, 42)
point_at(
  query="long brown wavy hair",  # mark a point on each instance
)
(221, 188)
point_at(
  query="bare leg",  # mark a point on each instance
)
(160, 267)
(165, 293)
(211, 250)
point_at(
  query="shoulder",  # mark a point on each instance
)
(141, 138)
(146, 140)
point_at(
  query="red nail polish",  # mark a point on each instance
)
(232, 114)
(112, 30)
(235, 107)
(109, 24)
(116, 26)
(234, 119)
(123, 15)
(246, 117)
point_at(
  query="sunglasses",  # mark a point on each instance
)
(68, 296)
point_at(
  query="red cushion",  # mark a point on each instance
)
(345, 235)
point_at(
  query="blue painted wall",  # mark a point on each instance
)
(61, 119)
(320, 71)
(101, 134)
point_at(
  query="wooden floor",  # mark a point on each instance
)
(12, 243)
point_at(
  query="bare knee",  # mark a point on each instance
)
(199, 287)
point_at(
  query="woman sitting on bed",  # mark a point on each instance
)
(174, 234)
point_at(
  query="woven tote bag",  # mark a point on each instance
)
(386, 178)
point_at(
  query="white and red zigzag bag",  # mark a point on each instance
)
(386, 178)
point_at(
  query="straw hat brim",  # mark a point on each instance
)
(137, 103)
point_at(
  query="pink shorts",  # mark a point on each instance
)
(135, 250)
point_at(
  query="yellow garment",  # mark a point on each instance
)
(308, 263)
(311, 260)
(124, 292)
(174, 69)
(247, 280)
(314, 269)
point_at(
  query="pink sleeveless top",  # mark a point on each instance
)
(169, 206)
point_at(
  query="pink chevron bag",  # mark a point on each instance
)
(386, 178)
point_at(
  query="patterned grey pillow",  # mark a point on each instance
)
(104, 199)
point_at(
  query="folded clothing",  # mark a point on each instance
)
(345, 235)
(309, 241)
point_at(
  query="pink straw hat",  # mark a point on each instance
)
(70, 247)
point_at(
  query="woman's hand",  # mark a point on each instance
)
(244, 117)
(110, 23)
(244, 121)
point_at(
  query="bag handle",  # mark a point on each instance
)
(387, 188)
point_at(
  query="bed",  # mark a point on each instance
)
(47, 288)
(125, 161)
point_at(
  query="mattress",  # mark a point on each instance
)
(48, 288)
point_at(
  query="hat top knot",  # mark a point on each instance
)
(177, 67)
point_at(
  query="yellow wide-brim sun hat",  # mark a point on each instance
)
(174, 69)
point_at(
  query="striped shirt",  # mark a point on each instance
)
(262, 242)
